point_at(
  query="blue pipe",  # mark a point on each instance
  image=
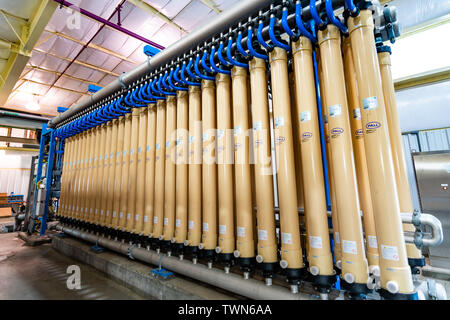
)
(332, 17)
(134, 98)
(220, 55)
(183, 69)
(204, 65)
(259, 35)
(141, 96)
(301, 27)
(314, 14)
(285, 23)
(149, 93)
(239, 45)
(230, 58)
(163, 82)
(250, 46)
(197, 70)
(154, 89)
(179, 80)
(213, 65)
(174, 87)
(351, 7)
(273, 38)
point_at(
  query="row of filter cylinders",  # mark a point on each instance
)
(191, 169)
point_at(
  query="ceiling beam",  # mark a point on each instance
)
(19, 57)
(81, 63)
(150, 9)
(56, 87)
(64, 75)
(212, 5)
(18, 140)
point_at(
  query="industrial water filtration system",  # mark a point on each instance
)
(173, 161)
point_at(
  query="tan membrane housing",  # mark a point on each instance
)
(141, 172)
(182, 158)
(195, 167)
(225, 165)
(93, 173)
(319, 253)
(125, 171)
(160, 150)
(111, 173)
(169, 192)
(359, 151)
(401, 174)
(118, 171)
(245, 244)
(209, 167)
(132, 170)
(150, 170)
(291, 251)
(393, 260)
(354, 262)
(105, 178)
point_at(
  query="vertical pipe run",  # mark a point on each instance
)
(245, 244)
(160, 151)
(132, 171)
(125, 172)
(365, 198)
(182, 159)
(111, 173)
(195, 169)
(395, 272)
(354, 262)
(170, 170)
(209, 170)
(225, 169)
(291, 251)
(150, 170)
(141, 172)
(319, 253)
(93, 175)
(415, 257)
(118, 171)
(82, 176)
(104, 214)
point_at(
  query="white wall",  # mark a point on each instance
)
(15, 171)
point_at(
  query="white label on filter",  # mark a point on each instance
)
(191, 225)
(85, 209)
(305, 116)
(315, 242)
(114, 213)
(178, 141)
(262, 235)
(257, 126)
(107, 213)
(128, 216)
(335, 110)
(220, 133)
(286, 238)
(167, 144)
(357, 113)
(349, 247)
(372, 241)
(222, 229)
(389, 252)
(178, 223)
(148, 148)
(205, 136)
(124, 153)
(155, 219)
(131, 152)
(90, 210)
(279, 122)
(136, 217)
(166, 221)
(205, 226)
(370, 103)
(158, 146)
(139, 150)
(101, 211)
(121, 215)
(241, 231)
(191, 139)
(237, 130)
(145, 218)
(337, 238)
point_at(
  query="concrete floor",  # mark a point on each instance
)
(38, 273)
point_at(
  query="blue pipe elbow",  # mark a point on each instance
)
(250, 46)
(230, 58)
(301, 27)
(260, 38)
(239, 45)
(191, 83)
(213, 65)
(165, 85)
(197, 70)
(332, 17)
(203, 62)
(274, 38)
(352, 8)
(314, 14)
(174, 87)
(220, 55)
(285, 24)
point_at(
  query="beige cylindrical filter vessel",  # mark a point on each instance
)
(74, 177)
(225, 168)
(319, 253)
(124, 174)
(401, 173)
(209, 169)
(150, 169)
(90, 180)
(354, 262)
(105, 180)
(170, 170)
(82, 173)
(93, 175)
(267, 242)
(132, 170)
(118, 171)
(195, 168)
(111, 173)
(182, 159)
(160, 151)
(395, 272)
(360, 158)
(291, 251)
(141, 172)
(245, 244)
(64, 176)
